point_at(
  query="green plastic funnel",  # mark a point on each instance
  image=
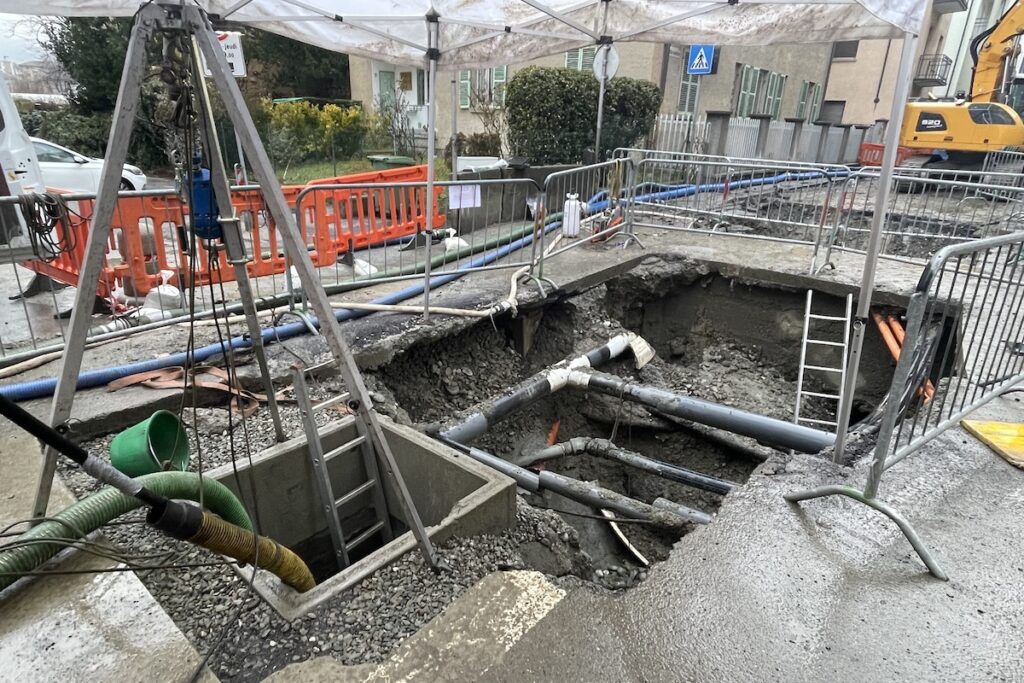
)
(155, 444)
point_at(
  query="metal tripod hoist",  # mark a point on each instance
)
(191, 22)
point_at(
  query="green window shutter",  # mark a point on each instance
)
(498, 76)
(801, 107)
(465, 83)
(815, 108)
(587, 55)
(572, 59)
(780, 88)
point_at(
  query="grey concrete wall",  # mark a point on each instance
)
(289, 505)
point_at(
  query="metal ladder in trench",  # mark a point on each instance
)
(805, 342)
(372, 487)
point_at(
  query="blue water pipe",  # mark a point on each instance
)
(40, 388)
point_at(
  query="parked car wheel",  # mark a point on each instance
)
(126, 186)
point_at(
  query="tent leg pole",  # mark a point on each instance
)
(878, 222)
(95, 246)
(433, 31)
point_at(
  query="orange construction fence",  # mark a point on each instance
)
(148, 233)
(870, 154)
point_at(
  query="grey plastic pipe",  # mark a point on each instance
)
(768, 430)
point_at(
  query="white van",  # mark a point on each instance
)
(19, 168)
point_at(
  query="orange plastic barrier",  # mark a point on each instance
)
(149, 235)
(870, 154)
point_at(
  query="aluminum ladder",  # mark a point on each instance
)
(372, 487)
(806, 341)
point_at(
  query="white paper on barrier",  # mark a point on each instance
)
(464, 197)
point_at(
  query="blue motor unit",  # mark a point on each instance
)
(204, 206)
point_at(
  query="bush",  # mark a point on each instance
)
(299, 131)
(475, 145)
(552, 113)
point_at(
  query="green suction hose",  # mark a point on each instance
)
(91, 513)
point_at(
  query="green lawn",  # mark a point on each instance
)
(302, 173)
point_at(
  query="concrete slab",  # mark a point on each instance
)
(466, 642)
(831, 591)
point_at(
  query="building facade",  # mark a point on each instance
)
(862, 74)
(779, 80)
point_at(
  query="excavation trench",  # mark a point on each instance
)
(716, 339)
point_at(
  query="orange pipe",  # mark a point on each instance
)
(897, 331)
(887, 336)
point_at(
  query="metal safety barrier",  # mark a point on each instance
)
(928, 210)
(150, 246)
(783, 201)
(390, 244)
(964, 346)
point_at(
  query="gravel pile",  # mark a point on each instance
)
(359, 626)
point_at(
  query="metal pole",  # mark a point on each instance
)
(432, 54)
(600, 114)
(295, 248)
(878, 221)
(455, 125)
(232, 238)
(241, 159)
(92, 261)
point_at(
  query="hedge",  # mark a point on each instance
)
(552, 113)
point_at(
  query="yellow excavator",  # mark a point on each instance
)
(960, 133)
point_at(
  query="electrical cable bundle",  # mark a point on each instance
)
(44, 214)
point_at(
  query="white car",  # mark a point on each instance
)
(64, 169)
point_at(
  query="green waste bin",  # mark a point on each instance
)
(381, 161)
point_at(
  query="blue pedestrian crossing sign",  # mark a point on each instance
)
(700, 60)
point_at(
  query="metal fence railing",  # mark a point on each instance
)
(964, 346)
(786, 201)
(589, 203)
(927, 211)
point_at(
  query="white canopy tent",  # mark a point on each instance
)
(479, 33)
(459, 34)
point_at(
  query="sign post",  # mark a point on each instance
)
(606, 63)
(231, 43)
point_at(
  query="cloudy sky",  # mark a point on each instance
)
(18, 38)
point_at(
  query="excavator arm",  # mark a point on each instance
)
(991, 52)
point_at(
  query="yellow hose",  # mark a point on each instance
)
(225, 538)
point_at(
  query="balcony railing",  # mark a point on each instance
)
(932, 70)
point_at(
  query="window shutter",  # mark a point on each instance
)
(815, 102)
(801, 107)
(498, 75)
(688, 89)
(465, 83)
(572, 59)
(587, 55)
(780, 88)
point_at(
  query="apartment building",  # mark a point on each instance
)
(781, 81)
(862, 73)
